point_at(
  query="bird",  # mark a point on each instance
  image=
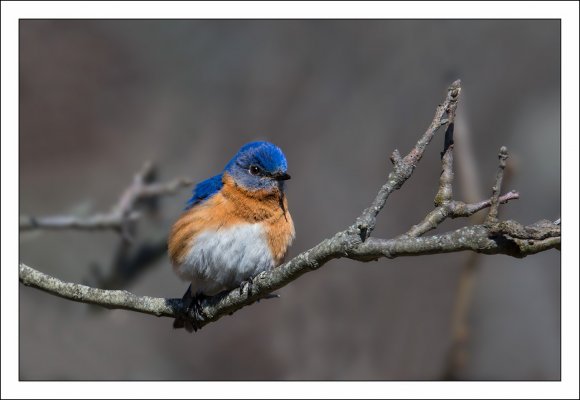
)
(235, 226)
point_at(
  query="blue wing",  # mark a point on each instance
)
(204, 190)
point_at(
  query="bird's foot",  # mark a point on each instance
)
(249, 284)
(191, 317)
(197, 309)
(194, 313)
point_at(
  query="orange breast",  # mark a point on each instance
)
(230, 206)
(280, 232)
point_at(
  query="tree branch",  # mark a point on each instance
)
(453, 209)
(404, 167)
(494, 237)
(478, 238)
(84, 294)
(121, 215)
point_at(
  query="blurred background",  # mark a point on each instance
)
(98, 98)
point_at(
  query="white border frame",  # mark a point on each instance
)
(567, 11)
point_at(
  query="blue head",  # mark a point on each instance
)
(259, 165)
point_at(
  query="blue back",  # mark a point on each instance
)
(204, 190)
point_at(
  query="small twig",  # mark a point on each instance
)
(453, 209)
(445, 192)
(473, 208)
(493, 209)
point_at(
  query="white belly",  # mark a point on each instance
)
(224, 258)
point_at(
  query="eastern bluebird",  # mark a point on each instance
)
(235, 226)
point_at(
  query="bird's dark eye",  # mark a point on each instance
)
(254, 170)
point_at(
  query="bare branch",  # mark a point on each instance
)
(478, 238)
(93, 222)
(473, 208)
(498, 239)
(122, 213)
(106, 298)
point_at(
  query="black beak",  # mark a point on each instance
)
(282, 177)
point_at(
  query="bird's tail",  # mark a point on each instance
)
(180, 322)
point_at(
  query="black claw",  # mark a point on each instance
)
(198, 312)
(193, 305)
(249, 284)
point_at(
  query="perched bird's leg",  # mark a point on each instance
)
(197, 311)
(181, 321)
(247, 283)
(191, 303)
